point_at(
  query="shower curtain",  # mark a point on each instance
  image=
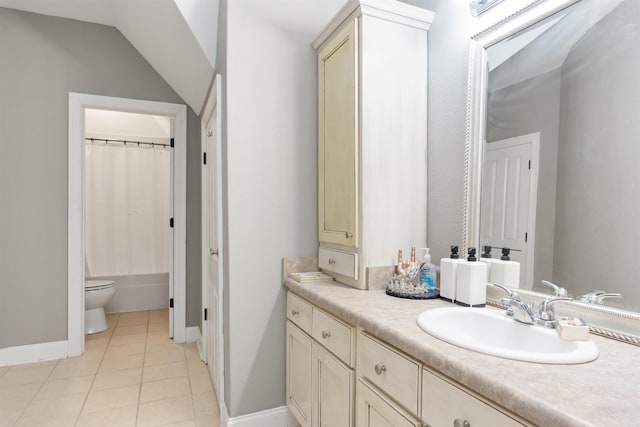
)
(127, 209)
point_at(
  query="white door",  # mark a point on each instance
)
(170, 225)
(212, 295)
(508, 203)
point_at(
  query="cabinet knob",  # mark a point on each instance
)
(461, 423)
(331, 261)
(326, 334)
(380, 369)
(348, 235)
(294, 312)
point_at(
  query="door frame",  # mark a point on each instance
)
(213, 104)
(75, 221)
(533, 139)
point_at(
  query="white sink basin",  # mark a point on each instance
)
(491, 332)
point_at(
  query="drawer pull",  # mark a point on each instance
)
(380, 369)
(461, 423)
(326, 334)
(331, 261)
(294, 312)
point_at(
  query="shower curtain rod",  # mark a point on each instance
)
(126, 141)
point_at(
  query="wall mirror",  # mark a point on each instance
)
(553, 143)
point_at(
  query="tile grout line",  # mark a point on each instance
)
(33, 398)
(144, 358)
(84, 402)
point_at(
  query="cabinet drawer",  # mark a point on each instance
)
(391, 371)
(299, 312)
(443, 403)
(336, 336)
(339, 262)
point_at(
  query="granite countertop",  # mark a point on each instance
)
(605, 392)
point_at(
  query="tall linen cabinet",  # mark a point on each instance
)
(372, 137)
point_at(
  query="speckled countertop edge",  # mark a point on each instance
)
(605, 392)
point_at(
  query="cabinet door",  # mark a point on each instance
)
(374, 410)
(299, 359)
(445, 405)
(333, 390)
(338, 138)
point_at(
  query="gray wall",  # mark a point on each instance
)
(43, 59)
(598, 186)
(527, 107)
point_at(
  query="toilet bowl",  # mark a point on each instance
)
(96, 294)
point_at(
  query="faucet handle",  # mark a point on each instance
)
(545, 311)
(512, 294)
(557, 290)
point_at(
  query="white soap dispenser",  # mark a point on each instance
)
(448, 267)
(487, 258)
(504, 271)
(471, 281)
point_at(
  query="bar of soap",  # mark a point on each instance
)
(572, 328)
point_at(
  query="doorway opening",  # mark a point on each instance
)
(81, 107)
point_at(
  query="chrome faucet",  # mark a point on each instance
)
(557, 290)
(523, 312)
(517, 309)
(596, 297)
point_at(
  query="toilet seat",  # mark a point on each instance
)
(96, 285)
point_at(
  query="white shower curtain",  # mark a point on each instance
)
(127, 197)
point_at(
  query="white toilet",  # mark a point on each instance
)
(96, 294)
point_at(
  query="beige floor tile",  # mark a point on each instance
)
(189, 423)
(117, 379)
(100, 335)
(159, 316)
(75, 369)
(132, 321)
(65, 387)
(122, 362)
(96, 343)
(135, 315)
(197, 367)
(3, 369)
(27, 374)
(8, 417)
(128, 339)
(173, 354)
(159, 327)
(52, 412)
(163, 412)
(119, 417)
(87, 358)
(200, 383)
(160, 344)
(112, 398)
(164, 389)
(23, 392)
(205, 403)
(191, 351)
(163, 372)
(127, 330)
(207, 420)
(124, 350)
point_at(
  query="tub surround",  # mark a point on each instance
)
(604, 392)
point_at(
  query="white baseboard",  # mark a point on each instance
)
(276, 417)
(193, 334)
(33, 353)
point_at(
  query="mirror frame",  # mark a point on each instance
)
(606, 321)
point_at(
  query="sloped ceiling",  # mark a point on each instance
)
(165, 32)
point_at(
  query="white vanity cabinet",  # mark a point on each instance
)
(320, 382)
(372, 136)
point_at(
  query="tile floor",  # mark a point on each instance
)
(130, 375)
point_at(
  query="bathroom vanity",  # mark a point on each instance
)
(360, 357)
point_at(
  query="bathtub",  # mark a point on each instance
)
(138, 292)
